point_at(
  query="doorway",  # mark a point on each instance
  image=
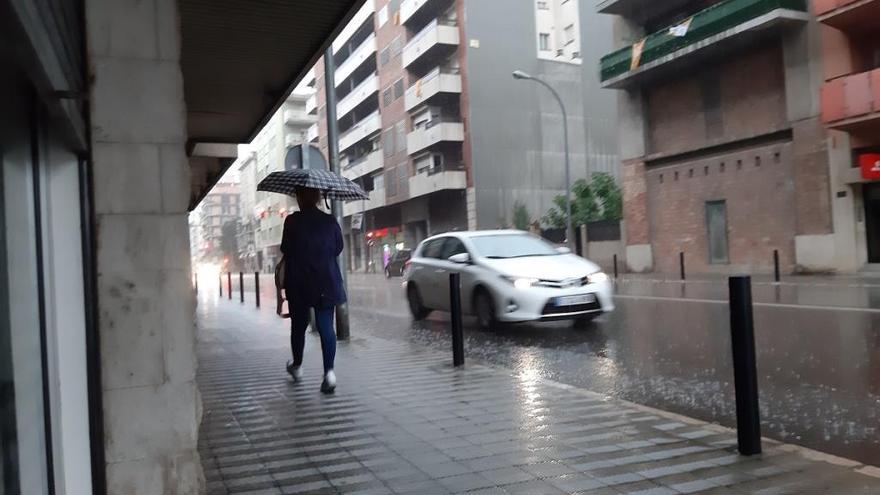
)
(872, 221)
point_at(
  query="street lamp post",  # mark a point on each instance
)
(569, 229)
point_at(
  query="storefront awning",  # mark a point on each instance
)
(240, 61)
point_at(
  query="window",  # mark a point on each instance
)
(388, 142)
(379, 182)
(452, 247)
(569, 34)
(398, 88)
(394, 6)
(396, 46)
(433, 248)
(385, 56)
(400, 129)
(716, 231)
(391, 181)
(387, 96)
(544, 42)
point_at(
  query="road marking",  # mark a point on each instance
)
(757, 304)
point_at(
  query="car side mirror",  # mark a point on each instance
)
(461, 258)
(563, 250)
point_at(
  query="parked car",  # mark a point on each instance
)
(507, 276)
(397, 263)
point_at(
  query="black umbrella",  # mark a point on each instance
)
(332, 185)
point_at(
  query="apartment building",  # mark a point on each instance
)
(851, 112)
(219, 208)
(724, 156)
(434, 127)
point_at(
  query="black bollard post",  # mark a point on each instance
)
(776, 265)
(229, 285)
(257, 285)
(221, 285)
(681, 264)
(455, 307)
(615, 267)
(745, 372)
(241, 285)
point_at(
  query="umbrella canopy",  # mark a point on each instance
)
(332, 185)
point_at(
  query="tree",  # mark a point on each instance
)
(598, 199)
(521, 217)
(229, 241)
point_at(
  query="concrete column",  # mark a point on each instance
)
(151, 402)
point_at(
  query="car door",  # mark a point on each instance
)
(451, 247)
(424, 271)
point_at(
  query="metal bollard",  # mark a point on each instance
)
(776, 265)
(221, 285)
(455, 307)
(681, 264)
(229, 284)
(615, 267)
(241, 285)
(257, 285)
(745, 372)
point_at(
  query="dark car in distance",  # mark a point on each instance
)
(397, 263)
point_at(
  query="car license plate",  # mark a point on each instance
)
(576, 300)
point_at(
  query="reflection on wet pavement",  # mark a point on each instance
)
(819, 369)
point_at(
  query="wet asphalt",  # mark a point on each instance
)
(668, 346)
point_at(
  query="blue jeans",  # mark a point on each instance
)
(299, 321)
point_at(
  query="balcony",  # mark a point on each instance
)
(410, 10)
(297, 117)
(854, 16)
(312, 133)
(436, 38)
(358, 57)
(312, 105)
(360, 17)
(424, 183)
(437, 81)
(428, 136)
(377, 200)
(369, 87)
(362, 130)
(363, 166)
(710, 33)
(638, 10)
(852, 103)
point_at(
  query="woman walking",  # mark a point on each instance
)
(311, 242)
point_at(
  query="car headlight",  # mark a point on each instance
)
(599, 277)
(521, 282)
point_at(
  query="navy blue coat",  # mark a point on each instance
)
(311, 242)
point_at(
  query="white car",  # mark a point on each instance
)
(507, 276)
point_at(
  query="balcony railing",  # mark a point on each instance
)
(360, 55)
(296, 117)
(312, 105)
(855, 16)
(367, 88)
(720, 22)
(362, 130)
(437, 33)
(434, 133)
(427, 183)
(435, 82)
(366, 11)
(377, 200)
(852, 100)
(363, 165)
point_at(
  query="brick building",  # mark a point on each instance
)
(438, 132)
(851, 111)
(724, 155)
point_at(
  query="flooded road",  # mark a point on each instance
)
(668, 346)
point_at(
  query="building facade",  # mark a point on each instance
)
(219, 215)
(724, 155)
(850, 105)
(435, 128)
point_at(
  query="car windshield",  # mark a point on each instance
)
(512, 246)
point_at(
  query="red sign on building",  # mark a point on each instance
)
(870, 165)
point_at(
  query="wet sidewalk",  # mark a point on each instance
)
(404, 421)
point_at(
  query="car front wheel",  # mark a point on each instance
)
(416, 307)
(484, 308)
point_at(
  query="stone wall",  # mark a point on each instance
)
(151, 402)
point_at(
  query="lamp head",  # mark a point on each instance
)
(518, 74)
